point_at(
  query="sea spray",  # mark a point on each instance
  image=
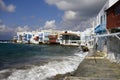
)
(37, 62)
(52, 68)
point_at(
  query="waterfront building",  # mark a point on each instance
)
(101, 19)
(54, 36)
(15, 39)
(107, 28)
(100, 24)
(111, 2)
(35, 37)
(41, 36)
(53, 39)
(23, 37)
(87, 38)
(113, 18)
(19, 37)
(113, 26)
(46, 33)
(70, 38)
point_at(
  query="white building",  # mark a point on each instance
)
(87, 38)
(36, 37)
(100, 20)
(70, 38)
(104, 39)
(23, 37)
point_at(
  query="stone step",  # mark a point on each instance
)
(87, 78)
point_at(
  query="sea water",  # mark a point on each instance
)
(37, 62)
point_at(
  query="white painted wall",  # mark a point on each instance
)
(87, 34)
(113, 49)
(102, 12)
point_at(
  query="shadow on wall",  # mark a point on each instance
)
(110, 45)
(113, 49)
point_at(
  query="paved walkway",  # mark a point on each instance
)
(99, 69)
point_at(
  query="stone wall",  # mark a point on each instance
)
(110, 45)
(102, 44)
(113, 49)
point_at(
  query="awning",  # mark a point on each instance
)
(100, 28)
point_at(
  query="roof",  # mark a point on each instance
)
(114, 5)
(52, 36)
(69, 34)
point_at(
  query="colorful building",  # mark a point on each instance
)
(50, 36)
(36, 37)
(53, 39)
(107, 29)
(23, 37)
(113, 18)
(46, 33)
(70, 38)
(100, 21)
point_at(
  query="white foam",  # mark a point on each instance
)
(48, 70)
(3, 71)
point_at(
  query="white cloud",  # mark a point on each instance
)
(62, 4)
(2, 5)
(6, 33)
(77, 13)
(22, 28)
(70, 15)
(2, 28)
(76, 4)
(50, 24)
(9, 8)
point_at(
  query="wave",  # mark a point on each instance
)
(52, 68)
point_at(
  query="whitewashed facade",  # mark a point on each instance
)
(106, 44)
(87, 38)
(99, 22)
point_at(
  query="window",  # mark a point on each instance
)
(105, 19)
(101, 19)
(117, 10)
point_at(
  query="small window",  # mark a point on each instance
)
(117, 10)
(101, 19)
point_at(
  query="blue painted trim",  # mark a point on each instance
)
(100, 28)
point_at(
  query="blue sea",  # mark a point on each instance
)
(37, 62)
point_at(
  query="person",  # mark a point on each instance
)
(96, 46)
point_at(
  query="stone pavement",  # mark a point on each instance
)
(96, 69)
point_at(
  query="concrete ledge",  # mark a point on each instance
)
(87, 78)
(94, 57)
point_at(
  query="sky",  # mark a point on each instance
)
(27, 15)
